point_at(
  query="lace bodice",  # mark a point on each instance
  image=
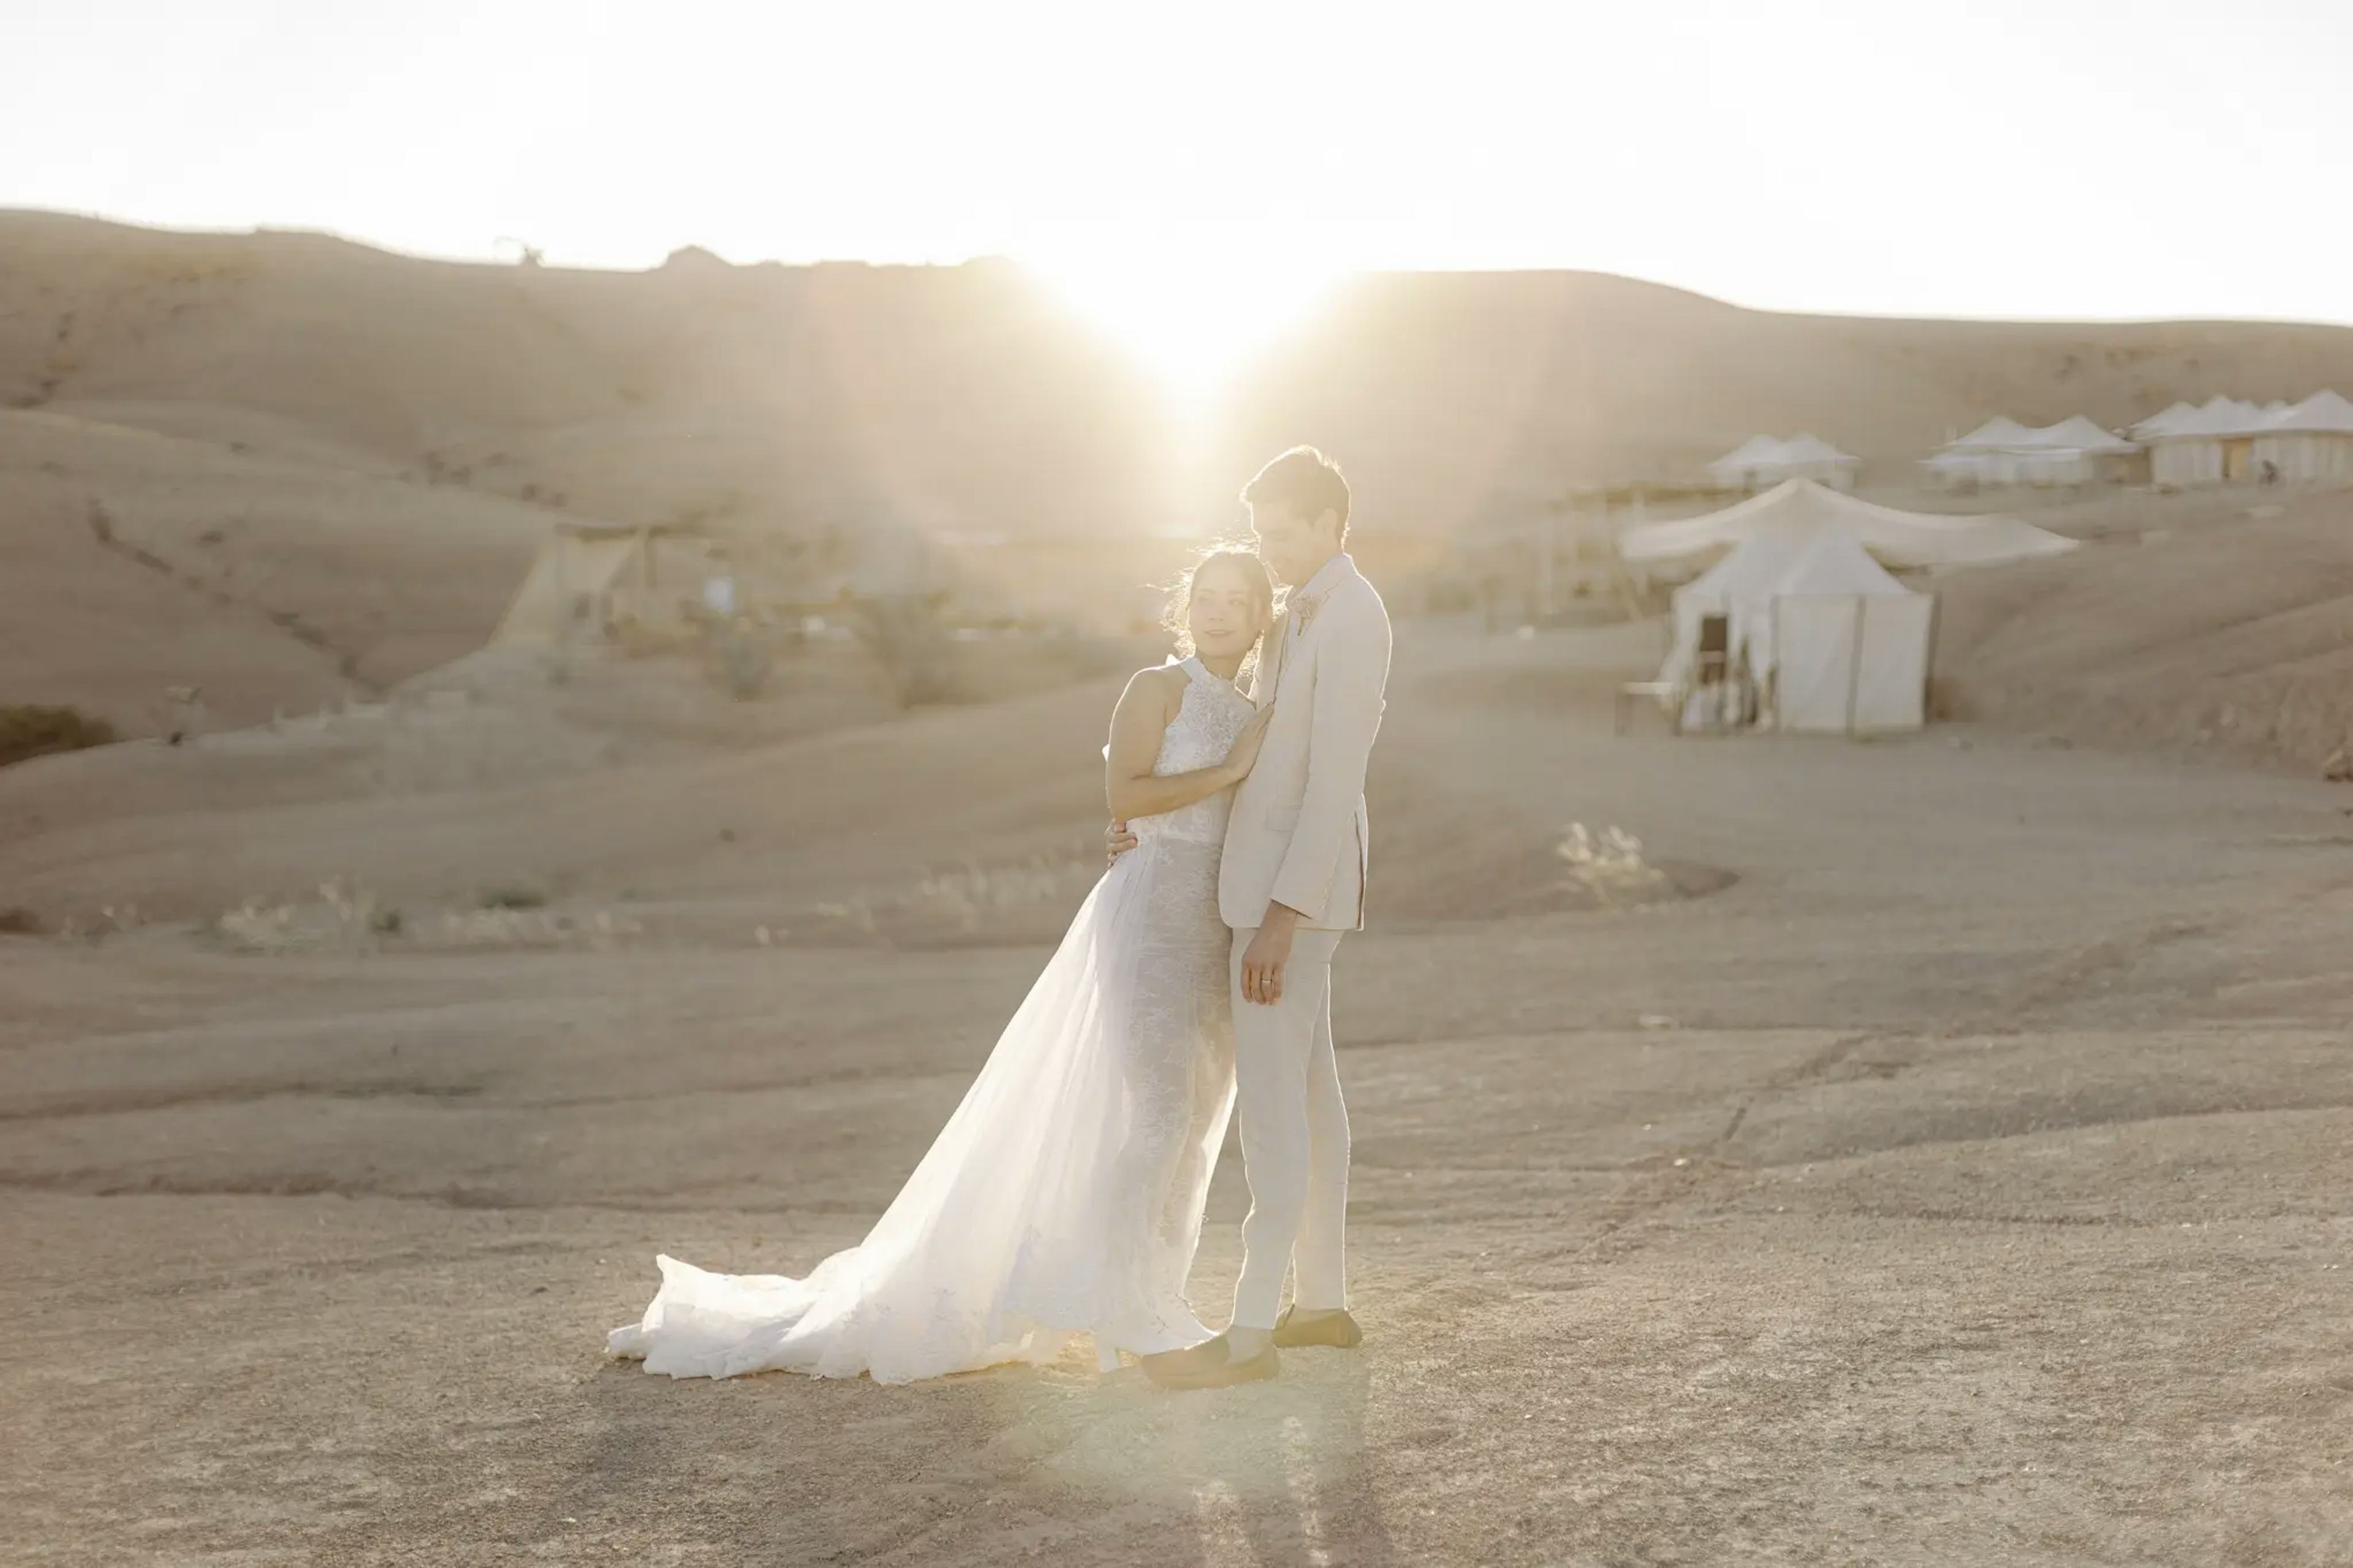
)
(1208, 719)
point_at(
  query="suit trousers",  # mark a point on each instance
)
(1294, 1136)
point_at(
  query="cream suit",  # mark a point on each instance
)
(1299, 836)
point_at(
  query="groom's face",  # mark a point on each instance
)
(1291, 546)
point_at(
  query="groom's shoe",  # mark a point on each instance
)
(1210, 1364)
(1336, 1329)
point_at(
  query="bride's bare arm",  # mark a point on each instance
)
(1145, 712)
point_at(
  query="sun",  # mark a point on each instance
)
(1196, 318)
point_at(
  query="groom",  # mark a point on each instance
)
(1292, 881)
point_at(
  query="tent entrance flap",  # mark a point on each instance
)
(1851, 664)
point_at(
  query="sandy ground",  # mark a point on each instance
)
(1964, 1183)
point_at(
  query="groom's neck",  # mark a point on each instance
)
(1308, 574)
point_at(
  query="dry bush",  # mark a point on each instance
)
(907, 636)
(340, 918)
(348, 919)
(35, 731)
(743, 662)
(1609, 865)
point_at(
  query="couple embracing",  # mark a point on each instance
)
(1066, 1192)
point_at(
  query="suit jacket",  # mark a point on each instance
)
(1299, 834)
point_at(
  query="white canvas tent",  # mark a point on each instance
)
(2074, 451)
(1900, 541)
(1741, 468)
(2311, 443)
(1834, 643)
(2209, 446)
(1761, 462)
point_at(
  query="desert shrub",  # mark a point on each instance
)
(515, 898)
(1609, 865)
(744, 661)
(908, 637)
(15, 921)
(35, 731)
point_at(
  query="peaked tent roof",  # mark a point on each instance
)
(1998, 431)
(2218, 417)
(1828, 559)
(2157, 424)
(2324, 413)
(2074, 435)
(2081, 435)
(1809, 447)
(1754, 452)
(1894, 538)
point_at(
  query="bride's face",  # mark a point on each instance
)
(1228, 609)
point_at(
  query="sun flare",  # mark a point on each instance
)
(1194, 320)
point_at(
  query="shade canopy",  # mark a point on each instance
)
(1894, 539)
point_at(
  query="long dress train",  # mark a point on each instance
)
(1065, 1194)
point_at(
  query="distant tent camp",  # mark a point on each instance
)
(1761, 462)
(1900, 541)
(587, 576)
(1831, 641)
(2001, 451)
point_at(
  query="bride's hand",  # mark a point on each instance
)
(1118, 839)
(1244, 755)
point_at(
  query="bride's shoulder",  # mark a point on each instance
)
(1162, 685)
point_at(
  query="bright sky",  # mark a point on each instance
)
(1999, 158)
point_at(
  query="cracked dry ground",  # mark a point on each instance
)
(1985, 1202)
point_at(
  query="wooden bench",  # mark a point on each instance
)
(1668, 694)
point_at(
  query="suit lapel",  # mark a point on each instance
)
(1283, 642)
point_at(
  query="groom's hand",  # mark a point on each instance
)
(1269, 953)
(1117, 841)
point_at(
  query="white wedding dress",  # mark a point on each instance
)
(1065, 1194)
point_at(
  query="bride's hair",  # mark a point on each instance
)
(1173, 618)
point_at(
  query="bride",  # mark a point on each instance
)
(1065, 1194)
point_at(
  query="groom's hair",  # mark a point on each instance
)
(1305, 480)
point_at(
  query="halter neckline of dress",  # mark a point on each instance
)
(1202, 675)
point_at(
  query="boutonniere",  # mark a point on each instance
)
(1306, 611)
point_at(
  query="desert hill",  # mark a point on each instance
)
(291, 468)
(857, 399)
(2230, 632)
(139, 559)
